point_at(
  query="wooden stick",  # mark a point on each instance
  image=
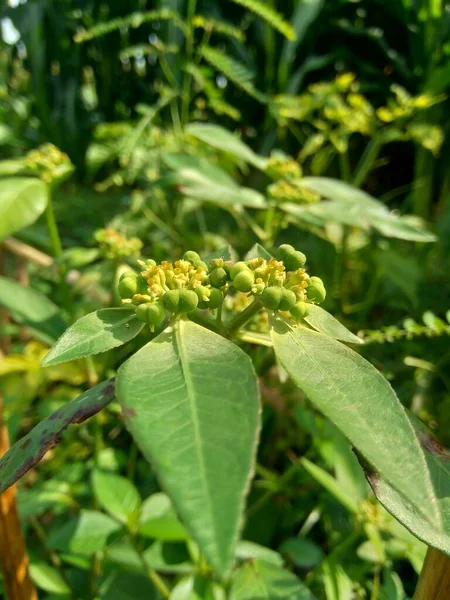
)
(434, 580)
(28, 252)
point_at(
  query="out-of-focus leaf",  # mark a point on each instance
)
(22, 201)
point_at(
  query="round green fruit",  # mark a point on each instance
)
(288, 299)
(218, 277)
(215, 299)
(271, 297)
(128, 286)
(316, 290)
(152, 313)
(292, 259)
(188, 301)
(244, 280)
(299, 310)
(171, 300)
(202, 293)
(238, 268)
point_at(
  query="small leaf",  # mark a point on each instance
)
(190, 401)
(30, 449)
(159, 520)
(128, 586)
(87, 533)
(116, 495)
(256, 251)
(22, 201)
(48, 578)
(169, 557)
(97, 332)
(361, 403)
(302, 552)
(258, 580)
(249, 550)
(227, 253)
(271, 16)
(33, 309)
(331, 485)
(322, 321)
(222, 139)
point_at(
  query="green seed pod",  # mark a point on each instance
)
(128, 286)
(188, 301)
(171, 300)
(237, 268)
(299, 311)
(244, 280)
(151, 313)
(218, 277)
(271, 297)
(128, 275)
(316, 290)
(203, 294)
(215, 299)
(292, 259)
(288, 299)
(192, 257)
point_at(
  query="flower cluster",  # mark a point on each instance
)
(280, 283)
(49, 163)
(115, 246)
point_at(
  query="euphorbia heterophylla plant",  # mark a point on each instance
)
(190, 396)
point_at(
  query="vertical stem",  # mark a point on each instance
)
(365, 164)
(13, 552)
(434, 580)
(186, 94)
(344, 166)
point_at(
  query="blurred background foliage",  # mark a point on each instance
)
(194, 125)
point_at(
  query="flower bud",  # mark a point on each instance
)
(203, 294)
(299, 310)
(292, 259)
(288, 299)
(218, 277)
(128, 286)
(237, 268)
(152, 313)
(171, 300)
(244, 280)
(188, 301)
(192, 257)
(316, 290)
(215, 299)
(271, 297)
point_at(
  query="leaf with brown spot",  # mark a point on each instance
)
(30, 449)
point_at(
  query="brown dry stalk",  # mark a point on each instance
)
(434, 580)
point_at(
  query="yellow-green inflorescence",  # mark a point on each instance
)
(280, 283)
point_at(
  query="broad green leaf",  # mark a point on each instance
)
(338, 585)
(334, 189)
(249, 550)
(186, 166)
(48, 578)
(97, 332)
(31, 448)
(190, 400)
(220, 138)
(195, 588)
(32, 309)
(347, 469)
(322, 321)
(361, 403)
(128, 586)
(256, 251)
(116, 495)
(85, 534)
(159, 520)
(208, 190)
(402, 508)
(302, 552)
(258, 580)
(169, 557)
(22, 201)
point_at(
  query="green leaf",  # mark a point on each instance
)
(227, 253)
(222, 139)
(322, 321)
(169, 557)
(128, 586)
(271, 16)
(32, 309)
(361, 403)
(302, 552)
(116, 495)
(259, 580)
(188, 168)
(31, 448)
(159, 520)
(249, 550)
(87, 533)
(48, 578)
(402, 508)
(331, 485)
(195, 588)
(190, 400)
(256, 251)
(22, 201)
(97, 332)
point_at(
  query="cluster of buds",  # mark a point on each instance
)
(115, 246)
(280, 283)
(49, 163)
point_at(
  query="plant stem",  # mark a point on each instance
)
(344, 166)
(197, 317)
(434, 580)
(244, 316)
(365, 164)
(53, 227)
(151, 573)
(268, 225)
(186, 95)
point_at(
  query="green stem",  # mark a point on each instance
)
(268, 225)
(197, 317)
(186, 96)
(151, 573)
(367, 160)
(244, 316)
(344, 165)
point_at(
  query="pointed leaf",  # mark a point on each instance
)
(33, 309)
(361, 403)
(30, 449)
(22, 201)
(97, 332)
(258, 580)
(48, 578)
(256, 251)
(116, 495)
(322, 321)
(191, 402)
(159, 520)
